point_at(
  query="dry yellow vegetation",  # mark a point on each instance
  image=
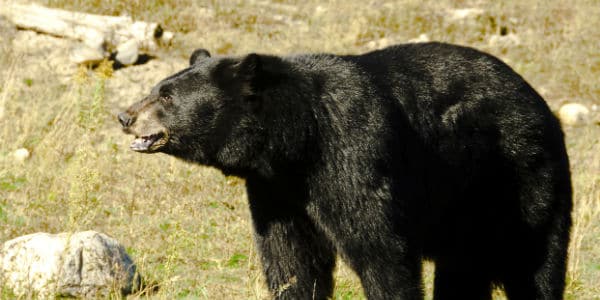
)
(188, 226)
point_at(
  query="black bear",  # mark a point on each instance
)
(417, 151)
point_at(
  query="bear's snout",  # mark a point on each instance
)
(141, 121)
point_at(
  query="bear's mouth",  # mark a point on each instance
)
(149, 143)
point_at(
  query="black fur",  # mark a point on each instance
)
(417, 151)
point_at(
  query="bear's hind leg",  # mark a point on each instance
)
(456, 281)
(540, 272)
(520, 286)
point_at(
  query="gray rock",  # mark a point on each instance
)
(464, 14)
(83, 54)
(21, 154)
(422, 38)
(504, 41)
(82, 264)
(128, 52)
(467, 18)
(574, 114)
(379, 43)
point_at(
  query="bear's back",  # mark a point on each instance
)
(462, 96)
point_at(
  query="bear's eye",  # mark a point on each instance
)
(166, 99)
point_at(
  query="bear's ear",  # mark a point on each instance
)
(248, 75)
(249, 67)
(198, 55)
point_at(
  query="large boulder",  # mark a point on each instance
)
(82, 264)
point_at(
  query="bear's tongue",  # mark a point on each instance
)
(143, 143)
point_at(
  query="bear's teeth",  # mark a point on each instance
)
(141, 144)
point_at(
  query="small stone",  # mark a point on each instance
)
(422, 38)
(94, 39)
(167, 37)
(379, 44)
(464, 13)
(573, 114)
(21, 154)
(128, 52)
(504, 41)
(319, 11)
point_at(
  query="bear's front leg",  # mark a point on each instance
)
(297, 258)
(373, 236)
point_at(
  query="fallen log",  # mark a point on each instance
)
(99, 33)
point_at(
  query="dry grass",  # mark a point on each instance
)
(188, 226)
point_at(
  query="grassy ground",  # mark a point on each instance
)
(187, 226)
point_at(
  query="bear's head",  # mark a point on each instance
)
(224, 112)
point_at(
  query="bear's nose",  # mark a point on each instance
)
(124, 119)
